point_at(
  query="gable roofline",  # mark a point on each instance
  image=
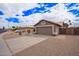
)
(48, 21)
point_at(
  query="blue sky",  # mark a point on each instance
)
(12, 19)
(1, 13)
(42, 9)
(71, 7)
(30, 13)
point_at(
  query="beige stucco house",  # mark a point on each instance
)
(47, 27)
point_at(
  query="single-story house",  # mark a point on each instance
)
(47, 27)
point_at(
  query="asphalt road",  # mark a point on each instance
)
(1, 31)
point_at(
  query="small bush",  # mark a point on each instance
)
(28, 31)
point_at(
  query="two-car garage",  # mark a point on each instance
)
(44, 30)
(47, 28)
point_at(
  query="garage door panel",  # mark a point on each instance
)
(44, 30)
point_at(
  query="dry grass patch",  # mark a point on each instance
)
(11, 34)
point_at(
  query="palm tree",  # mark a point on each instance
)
(66, 25)
(70, 22)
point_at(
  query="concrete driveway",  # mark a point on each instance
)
(4, 50)
(40, 45)
(18, 44)
(62, 45)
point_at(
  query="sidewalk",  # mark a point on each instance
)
(4, 50)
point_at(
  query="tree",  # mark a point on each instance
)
(70, 22)
(3, 28)
(65, 25)
(13, 28)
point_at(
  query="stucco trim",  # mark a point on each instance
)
(49, 22)
(44, 26)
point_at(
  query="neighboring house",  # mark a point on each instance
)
(47, 27)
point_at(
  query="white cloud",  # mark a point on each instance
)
(31, 20)
(17, 8)
(12, 9)
(58, 13)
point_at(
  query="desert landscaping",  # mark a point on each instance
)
(39, 45)
(39, 29)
